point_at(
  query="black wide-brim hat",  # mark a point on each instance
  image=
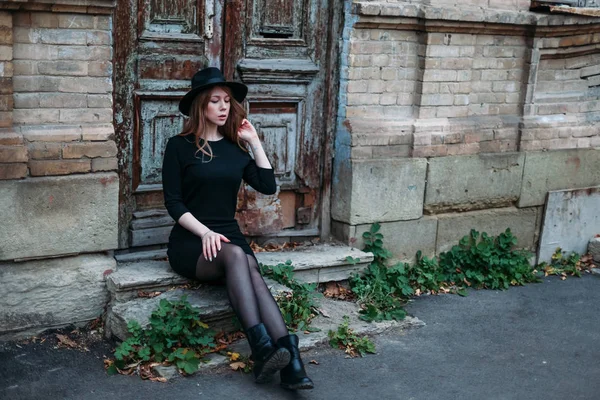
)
(206, 79)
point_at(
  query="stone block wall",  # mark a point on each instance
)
(452, 118)
(59, 188)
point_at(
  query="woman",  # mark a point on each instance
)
(202, 171)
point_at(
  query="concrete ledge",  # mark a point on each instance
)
(452, 227)
(322, 263)
(51, 216)
(402, 238)
(379, 191)
(43, 294)
(556, 170)
(382, 10)
(458, 183)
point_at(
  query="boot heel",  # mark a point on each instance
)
(268, 358)
(273, 364)
(293, 376)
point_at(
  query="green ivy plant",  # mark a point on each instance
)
(484, 261)
(175, 335)
(299, 306)
(479, 261)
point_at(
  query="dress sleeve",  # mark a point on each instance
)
(261, 179)
(171, 180)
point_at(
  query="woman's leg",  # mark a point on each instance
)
(231, 264)
(269, 310)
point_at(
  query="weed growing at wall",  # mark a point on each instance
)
(563, 264)
(299, 306)
(479, 261)
(175, 335)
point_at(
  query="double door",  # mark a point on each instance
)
(280, 49)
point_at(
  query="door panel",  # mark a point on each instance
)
(159, 45)
(283, 52)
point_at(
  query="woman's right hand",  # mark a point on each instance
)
(211, 244)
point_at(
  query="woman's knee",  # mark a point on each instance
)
(234, 255)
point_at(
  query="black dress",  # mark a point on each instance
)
(207, 188)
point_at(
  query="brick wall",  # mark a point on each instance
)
(6, 69)
(62, 93)
(462, 83)
(482, 89)
(564, 110)
(383, 74)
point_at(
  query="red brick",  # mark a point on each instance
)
(90, 149)
(6, 86)
(105, 164)
(13, 154)
(58, 167)
(9, 137)
(6, 102)
(6, 119)
(13, 171)
(45, 150)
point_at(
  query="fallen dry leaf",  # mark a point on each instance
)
(323, 313)
(64, 340)
(273, 246)
(148, 295)
(237, 365)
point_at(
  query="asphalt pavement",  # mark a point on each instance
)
(540, 341)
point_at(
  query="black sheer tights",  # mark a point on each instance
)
(248, 293)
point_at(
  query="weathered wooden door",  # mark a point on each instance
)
(281, 52)
(277, 47)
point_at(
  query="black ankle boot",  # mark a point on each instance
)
(293, 376)
(267, 358)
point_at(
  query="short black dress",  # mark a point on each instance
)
(207, 188)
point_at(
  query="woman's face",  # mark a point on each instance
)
(218, 106)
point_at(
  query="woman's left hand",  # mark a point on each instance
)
(247, 131)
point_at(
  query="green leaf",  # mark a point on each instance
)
(112, 370)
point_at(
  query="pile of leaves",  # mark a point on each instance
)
(479, 261)
(273, 246)
(299, 306)
(345, 339)
(175, 335)
(564, 264)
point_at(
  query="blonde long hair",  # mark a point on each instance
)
(196, 123)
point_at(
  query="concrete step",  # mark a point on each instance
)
(320, 263)
(133, 256)
(211, 300)
(145, 275)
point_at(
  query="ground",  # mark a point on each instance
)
(540, 341)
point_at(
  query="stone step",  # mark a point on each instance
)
(146, 275)
(211, 300)
(158, 254)
(319, 263)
